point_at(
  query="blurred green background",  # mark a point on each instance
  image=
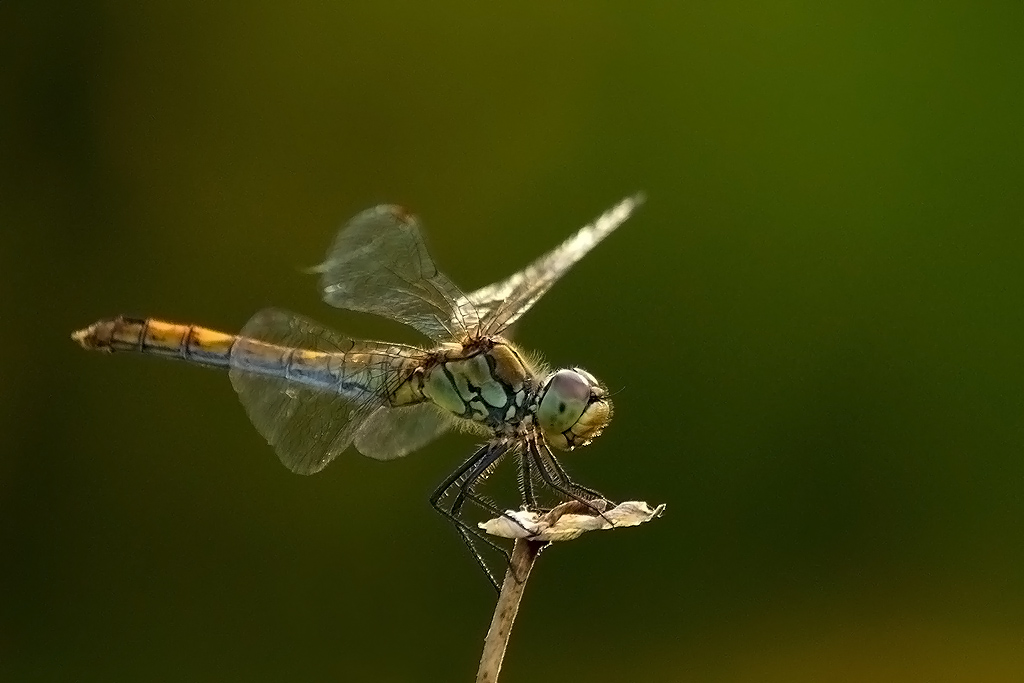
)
(814, 327)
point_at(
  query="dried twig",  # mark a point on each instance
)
(524, 554)
(532, 532)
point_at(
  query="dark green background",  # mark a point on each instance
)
(814, 327)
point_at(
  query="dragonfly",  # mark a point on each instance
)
(313, 393)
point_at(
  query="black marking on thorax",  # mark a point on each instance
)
(512, 406)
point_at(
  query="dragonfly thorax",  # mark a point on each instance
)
(487, 382)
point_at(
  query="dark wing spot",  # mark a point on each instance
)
(402, 214)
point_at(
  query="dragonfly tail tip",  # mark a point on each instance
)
(85, 337)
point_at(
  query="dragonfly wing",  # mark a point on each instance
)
(308, 390)
(390, 433)
(379, 264)
(500, 304)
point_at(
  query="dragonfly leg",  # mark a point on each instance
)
(464, 478)
(467, 488)
(467, 533)
(557, 479)
(526, 489)
(564, 476)
(467, 493)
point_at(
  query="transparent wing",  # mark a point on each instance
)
(308, 390)
(379, 264)
(500, 304)
(390, 433)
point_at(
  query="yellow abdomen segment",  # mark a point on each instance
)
(171, 340)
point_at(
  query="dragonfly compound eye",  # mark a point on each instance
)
(573, 409)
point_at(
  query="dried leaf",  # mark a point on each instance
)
(569, 520)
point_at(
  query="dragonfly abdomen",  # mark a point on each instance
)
(155, 337)
(322, 370)
(353, 375)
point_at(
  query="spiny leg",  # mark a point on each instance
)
(469, 535)
(464, 529)
(564, 476)
(465, 477)
(569, 489)
(467, 491)
(526, 489)
(458, 474)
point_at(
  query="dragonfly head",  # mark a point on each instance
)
(573, 408)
